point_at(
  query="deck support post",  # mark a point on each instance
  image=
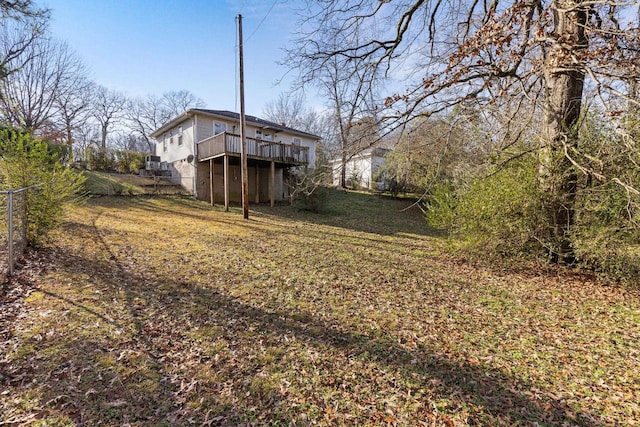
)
(257, 183)
(211, 192)
(272, 184)
(226, 183)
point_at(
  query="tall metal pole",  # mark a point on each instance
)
(243, 145)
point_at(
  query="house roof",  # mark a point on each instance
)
(230, 115)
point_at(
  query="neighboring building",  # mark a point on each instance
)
(201, 149)
(361, 169)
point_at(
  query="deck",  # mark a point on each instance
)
(228, 144)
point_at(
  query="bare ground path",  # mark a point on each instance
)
(167, 312)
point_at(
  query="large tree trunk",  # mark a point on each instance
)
(564, 79)
(343, 168)
(103, 137)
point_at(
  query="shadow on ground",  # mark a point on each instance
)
(139, 360)
(344, 209)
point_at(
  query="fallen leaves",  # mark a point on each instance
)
(152, 311)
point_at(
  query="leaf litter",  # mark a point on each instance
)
(165, 311)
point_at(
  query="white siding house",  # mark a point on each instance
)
(361, 170)
(201, 149)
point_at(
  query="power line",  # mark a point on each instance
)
(263, 19)
(242, 7)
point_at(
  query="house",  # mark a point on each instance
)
(201, 150)
(361, 169)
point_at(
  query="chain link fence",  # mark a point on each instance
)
(13, 227)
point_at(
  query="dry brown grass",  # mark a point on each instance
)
(161, 311)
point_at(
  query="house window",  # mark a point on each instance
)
(296, 143)
(258, 133)
(180, 135)
(219, 127)
(164, 143)
(170, 138)
(268, 137)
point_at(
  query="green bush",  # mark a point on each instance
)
(441, 205)
(100, 159)
(509, 210)
(27, 161)
(128, 161)
(605, 235)
(503, 212)
(613, 254)
(500, 214)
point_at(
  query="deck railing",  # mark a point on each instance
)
(228, 143)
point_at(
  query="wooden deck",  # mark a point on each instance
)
(228, 144)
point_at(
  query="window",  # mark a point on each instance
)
(180, 135)
(258, 133)
(219, 127)
(170, 138)
(268, 137)
(164, 143)
(296, 142)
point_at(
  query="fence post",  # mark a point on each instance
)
(10, 227)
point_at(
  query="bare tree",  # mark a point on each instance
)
(353, 101)
(44, 72)
(350, 89)
(73, 105)
(144, 115)
(22, 23)
(292, 110)
(22, 10)
(108, 108)
(85, 135)
(179, 101)
(126, 141)
(452, 51)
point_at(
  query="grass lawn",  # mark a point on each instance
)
(110, 184)
(165, 311)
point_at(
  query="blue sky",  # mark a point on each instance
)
(145, 47)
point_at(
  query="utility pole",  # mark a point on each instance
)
(243, 138)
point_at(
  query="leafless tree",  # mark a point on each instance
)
(108, 108)
(21, 24)
(451, 51)
(22, 10)
(126, 141)
(292, 110)
(350, 89)
(144, 115)
(85, 135)
(178, 101)
(73, 105)
(44, 72)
